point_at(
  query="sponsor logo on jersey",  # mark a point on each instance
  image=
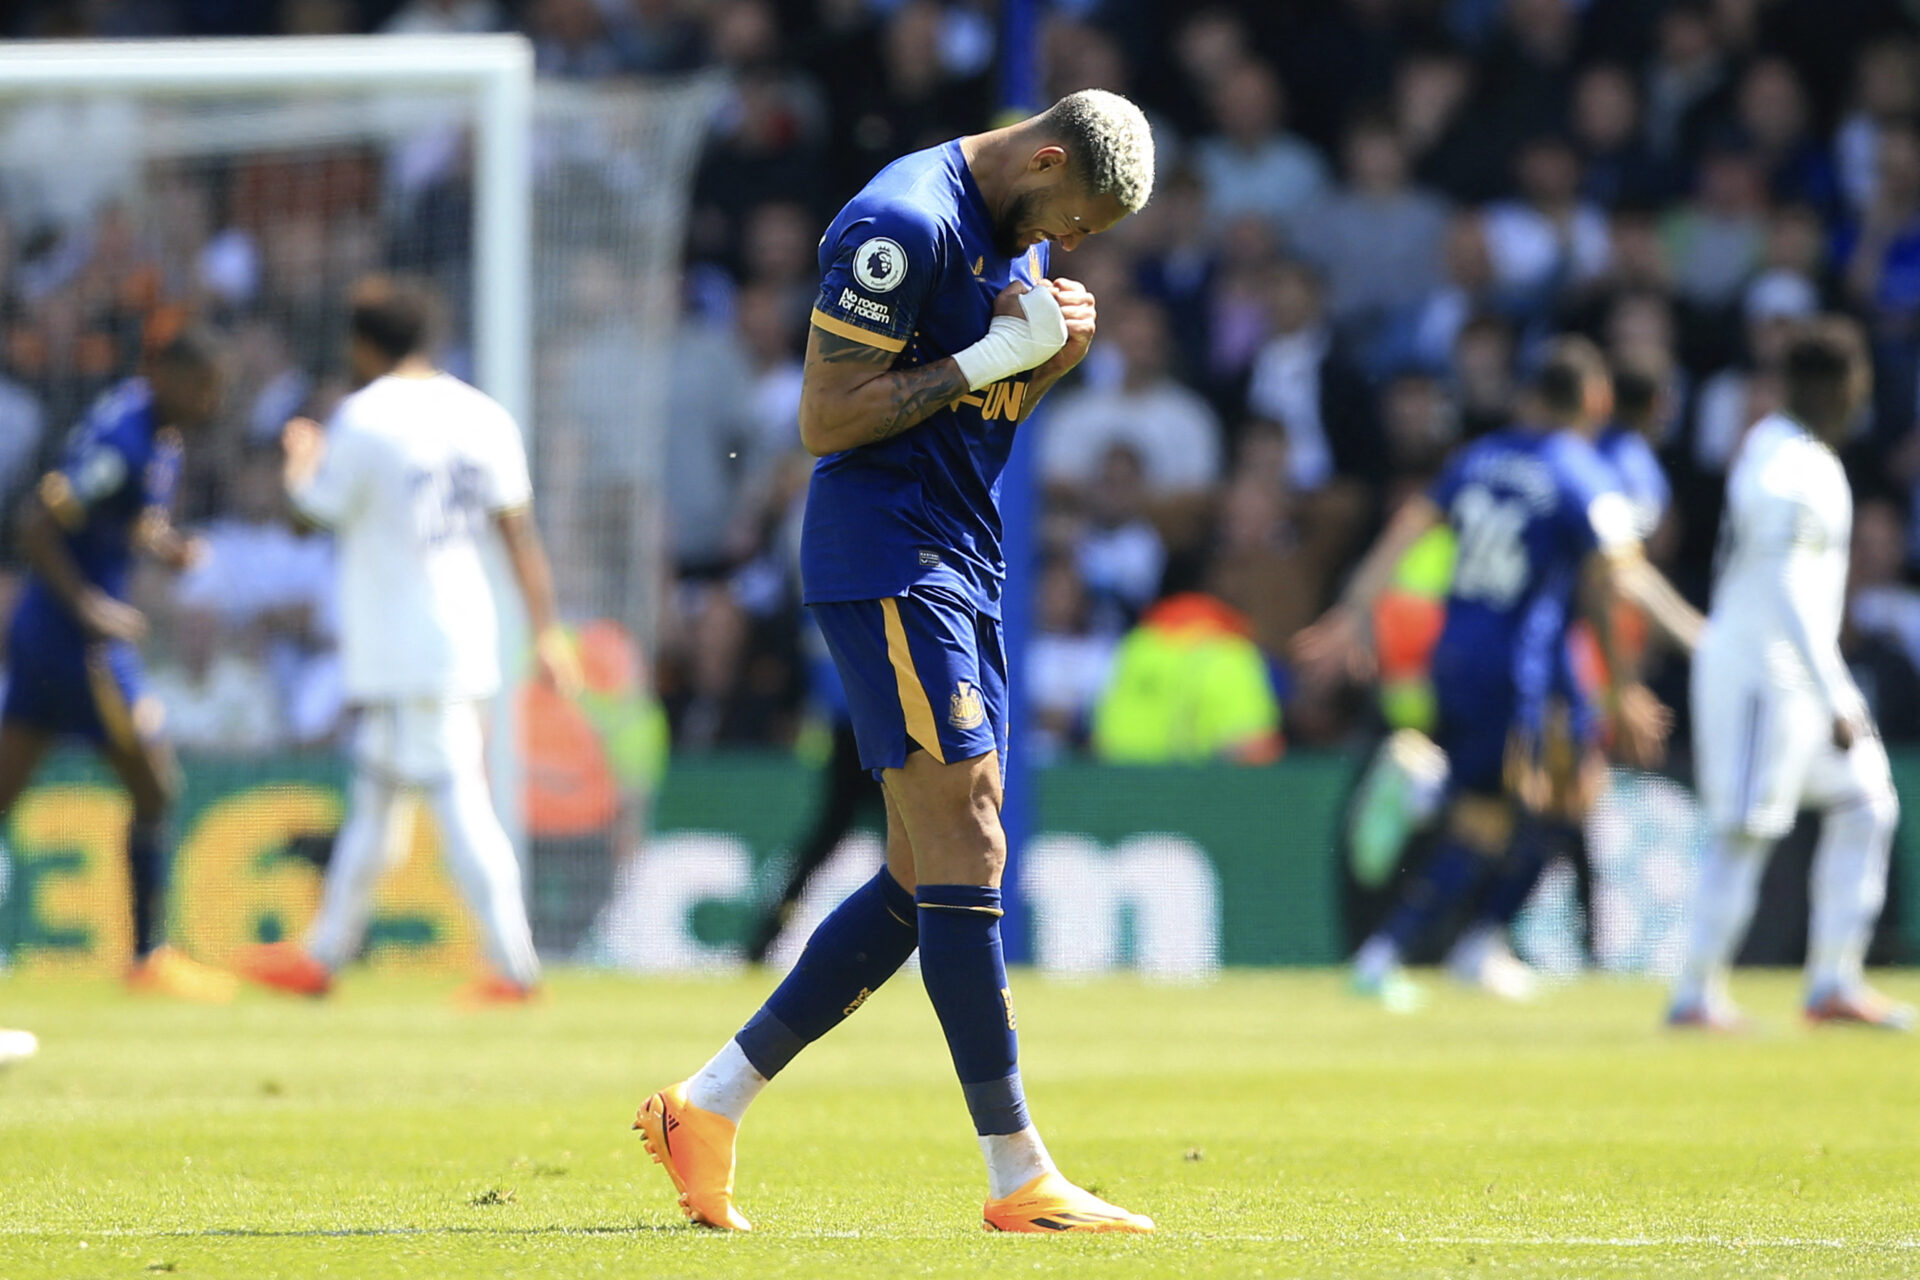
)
(966, 709)
(880, 264)
(929, 558)
(865, 308)
(1000, 400)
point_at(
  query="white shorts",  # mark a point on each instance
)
(420, 741)
(1762, 754)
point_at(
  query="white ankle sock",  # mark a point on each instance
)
(1013, 1160)
(727, 1085)
(1723, 902)
(1378, 956)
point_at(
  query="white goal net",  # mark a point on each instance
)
(244, 186)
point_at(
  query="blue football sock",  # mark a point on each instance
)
(1537, 843)
(1439, 887)
(147, 862)
(855, 949)
(966, 975)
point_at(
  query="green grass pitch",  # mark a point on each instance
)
(1274, 1125)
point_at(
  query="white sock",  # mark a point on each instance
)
(1378, 956)
(1723, 902)
(1849, 888)
(1013, 1160)
(727, 1085)
(483, 864)
(369, 842)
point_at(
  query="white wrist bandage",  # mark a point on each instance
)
(1015, 344)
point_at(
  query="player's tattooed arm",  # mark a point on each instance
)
(851, 396)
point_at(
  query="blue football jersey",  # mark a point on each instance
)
(909, 267)
(1527, 508)
(118, 465)
(1638, 475)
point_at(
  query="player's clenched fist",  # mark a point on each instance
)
(1077, 309)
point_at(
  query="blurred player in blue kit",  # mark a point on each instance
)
(935, 330)
(1544, 534)
(74, 668)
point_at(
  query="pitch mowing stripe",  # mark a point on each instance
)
(1483, 1242)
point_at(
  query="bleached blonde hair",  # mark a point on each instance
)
(1108, 142)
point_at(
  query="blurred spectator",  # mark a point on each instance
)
(570, 38)
(771, 341)
(1427, 332)
(728, 686)
(1170, 426)
(444, 18)
(1118, 552)
(1689, 82)
(217, 701)
(272, 591)
(1713, 242)
(1251, 165)
(894, 90)
(765, 148)
(22, 424)
(1179, 267)
(1421, 428)
(1525, 78)
(712, 448)
(1882, 252)
(1240, 316)
(1774, 124)
(1886, 93)
(1377, 239)
(1482, 376)
(1267, 563)
(654, 36)
(1067, 661)
(1549, 238)
(1738, 396)
(1882, 637)
(1881, 257)
(1619, 167)
(1430, 98)
(1304, 382)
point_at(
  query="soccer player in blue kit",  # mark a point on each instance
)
(935, 331)
(1540, 525)
(1555, 826)
(74, 670)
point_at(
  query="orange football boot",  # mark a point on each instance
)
(285, 967)
(167, 971)
(695, 1147)
(494, 989)
(1861, 1007)
(1052, 1204)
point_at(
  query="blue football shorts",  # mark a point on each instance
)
(923, 670)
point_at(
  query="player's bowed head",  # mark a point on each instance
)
(1072, 171)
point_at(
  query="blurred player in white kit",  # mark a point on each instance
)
(1778, 722)
(411, 471)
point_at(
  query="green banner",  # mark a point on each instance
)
(1173, 871)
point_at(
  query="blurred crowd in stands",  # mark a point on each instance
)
(1369, 216)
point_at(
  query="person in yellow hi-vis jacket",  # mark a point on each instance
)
(1189, 685)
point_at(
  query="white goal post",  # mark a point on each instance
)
(496, 71)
